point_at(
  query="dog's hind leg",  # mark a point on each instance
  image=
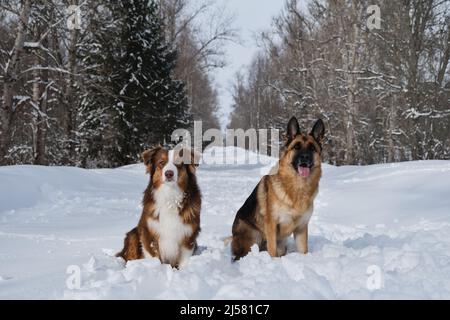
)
(131, 246)
(281, 247)
(244, 237)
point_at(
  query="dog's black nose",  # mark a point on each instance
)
(305, 158)
(169, 174)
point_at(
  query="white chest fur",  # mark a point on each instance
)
(170, 227)
(286, 217)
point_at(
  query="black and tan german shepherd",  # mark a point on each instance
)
(282, 203)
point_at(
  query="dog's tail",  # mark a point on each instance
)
(227, 240)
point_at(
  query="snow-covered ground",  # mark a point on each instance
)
(377, 232)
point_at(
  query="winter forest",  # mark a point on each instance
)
(97, 94)
(384, 93)
(87, 86)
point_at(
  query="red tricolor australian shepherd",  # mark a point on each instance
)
(170, 221)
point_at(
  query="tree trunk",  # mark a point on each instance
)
(445, 59)
(10, 77)
(40, 101)
(68, 122)
(392, 125)
(352, 147)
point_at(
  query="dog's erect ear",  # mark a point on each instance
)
(293, 130)
(318, 131)
(148, 155)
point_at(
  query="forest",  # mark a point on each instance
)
(383, 92)
(95, 86)
(93, 83)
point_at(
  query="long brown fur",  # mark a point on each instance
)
(281, 202)
(143, 237)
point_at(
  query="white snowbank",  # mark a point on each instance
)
(392, 218)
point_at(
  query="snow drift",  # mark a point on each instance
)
(390, 221)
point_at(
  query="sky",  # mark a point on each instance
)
(251, 16)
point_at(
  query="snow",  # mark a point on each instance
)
(391, 221)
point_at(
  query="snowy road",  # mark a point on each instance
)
(378, 232)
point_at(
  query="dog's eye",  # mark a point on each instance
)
(297, 146)
(312, 148)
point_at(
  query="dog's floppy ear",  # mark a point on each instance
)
(148, 156)
(195, 156)
(318, 131)
(293, 129)
(188, 157)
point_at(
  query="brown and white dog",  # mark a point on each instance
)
(170, 220)
(282, 203)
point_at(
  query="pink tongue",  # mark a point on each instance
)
(303, 171)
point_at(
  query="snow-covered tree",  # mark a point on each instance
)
(132, 99)
(384, 93)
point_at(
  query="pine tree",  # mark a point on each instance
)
(133, 101)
